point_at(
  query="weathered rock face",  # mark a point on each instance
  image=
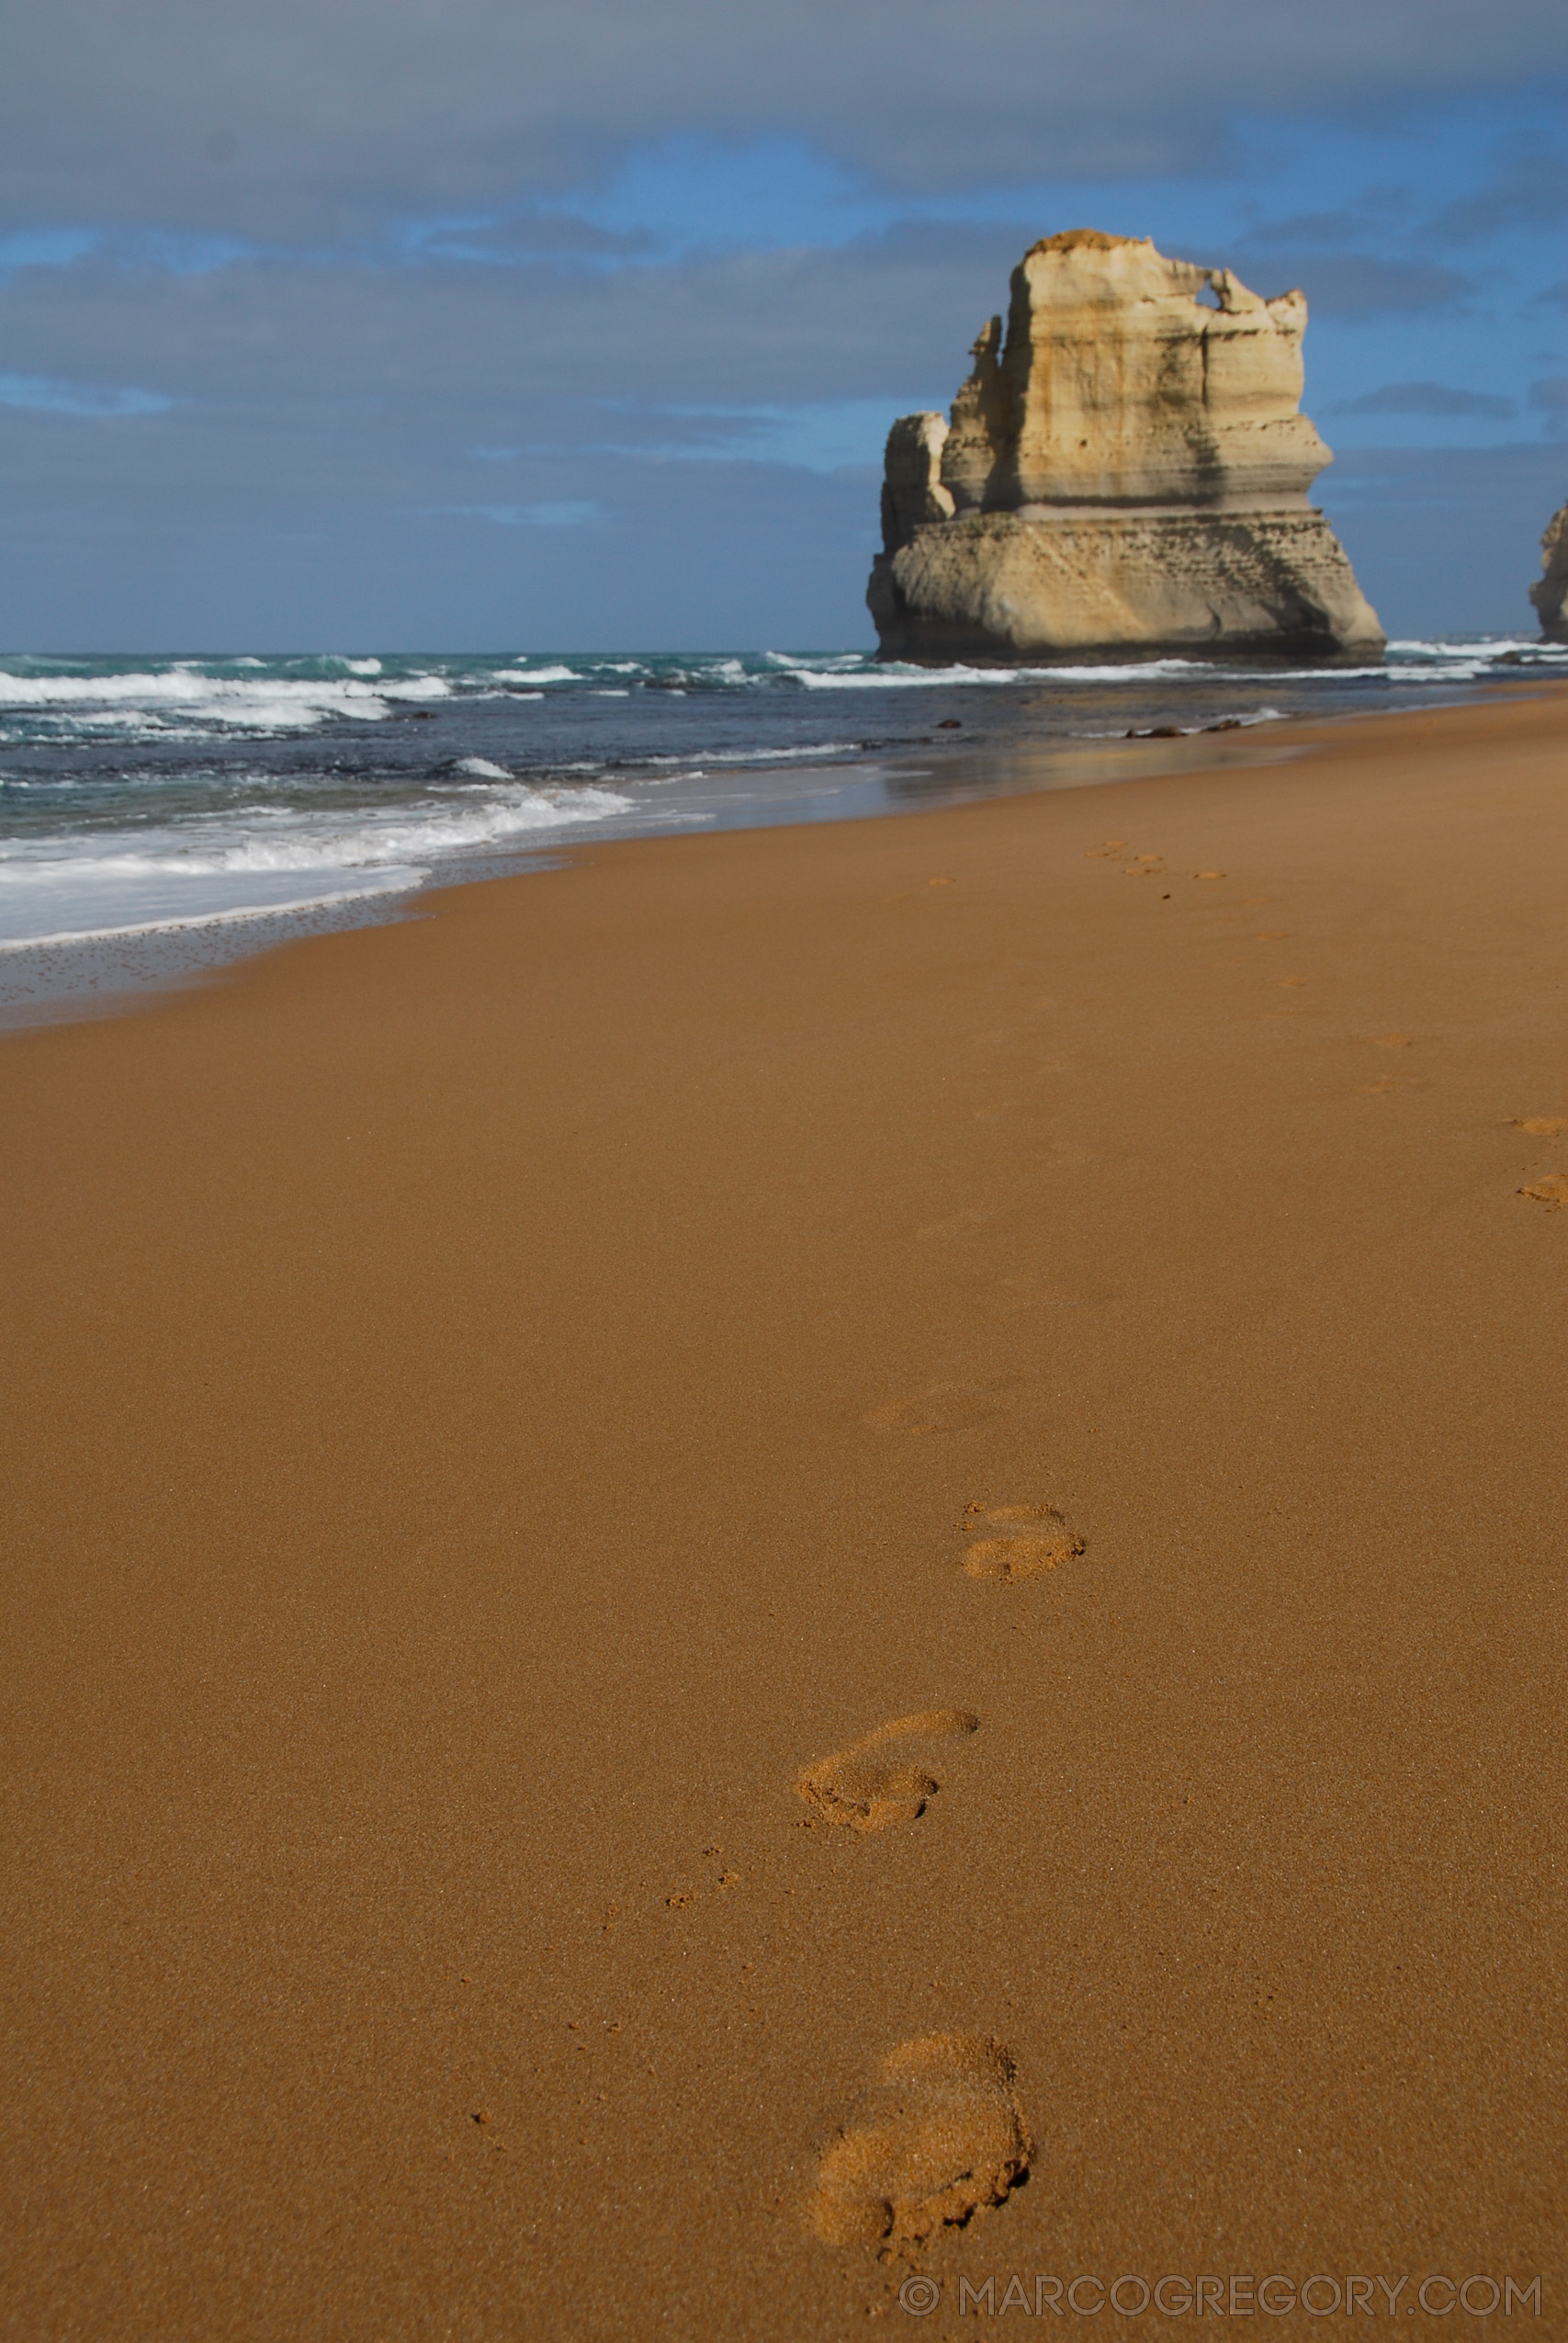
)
(1128, 471)
(1550, 595)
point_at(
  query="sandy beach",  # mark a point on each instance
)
(501, 1412)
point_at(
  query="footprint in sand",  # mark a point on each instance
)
(957, 1224)
(865, 1789)
(939, 2134)
(1013, 1541)
(1552, 1190)
(1030, 1291)
(1539, 1127)
(1391, 1040)
(940, 1406)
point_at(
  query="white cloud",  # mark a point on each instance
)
(78, 397)
(564, 514)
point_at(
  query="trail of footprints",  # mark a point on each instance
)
(939, 2131)
(1552, 1188)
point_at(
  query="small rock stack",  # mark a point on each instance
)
(1550, 595)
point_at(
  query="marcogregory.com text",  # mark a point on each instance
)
(1320, 2296)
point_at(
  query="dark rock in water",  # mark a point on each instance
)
(1550, 595)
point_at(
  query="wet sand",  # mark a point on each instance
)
(502, 1411)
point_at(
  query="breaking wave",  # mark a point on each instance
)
(278, 703)
(225, 866)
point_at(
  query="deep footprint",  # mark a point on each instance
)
(1013, 1541)
(858, 1787)
(939, 2134)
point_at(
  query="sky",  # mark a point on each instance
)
(477, 325)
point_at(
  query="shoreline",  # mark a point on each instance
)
(111, 971)
(503, 1424)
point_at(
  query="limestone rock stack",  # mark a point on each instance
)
(1127, 470)
(1550, 595)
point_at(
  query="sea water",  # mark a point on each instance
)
(210, 798)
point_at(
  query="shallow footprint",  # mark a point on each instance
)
(940, 1406)
(939, 2134)
(957, 1224)
(1540, 1127)
(1552, 1191)
(1032, 1538)
(860, 1788)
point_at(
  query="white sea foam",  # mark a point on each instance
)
(822, 658)
(1410, 661)
(220, 865)
(285, 840)
(814, 749)
(536, 674)
(1414, 648)
(892, 675)
(482, 767)
(82, 917)
(278, 704)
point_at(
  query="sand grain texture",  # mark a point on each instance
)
(488, 1402)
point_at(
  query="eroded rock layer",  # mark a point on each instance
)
(1127, 471)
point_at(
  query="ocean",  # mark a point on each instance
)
(159, 812)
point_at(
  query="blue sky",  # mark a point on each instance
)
(468, 328)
